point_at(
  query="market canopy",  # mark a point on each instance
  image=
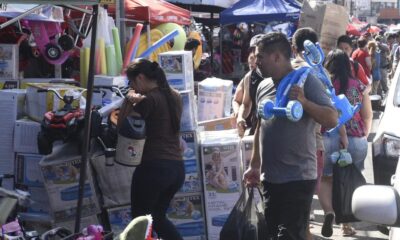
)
(261, 11)
(154, 12)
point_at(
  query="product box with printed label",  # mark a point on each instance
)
(187, 214)
(9, 61)
(39, 99)
(25, 136)
(102, 83)
(214, 99)
(189, 145)
(119, 218)
(28, 170)
(221, 164)
(8, 84)
(189, 118)
(40, 201)
(12, 105)
(61, 173)
(178, 67)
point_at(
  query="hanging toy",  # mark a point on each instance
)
(282, 107)
(314, 56)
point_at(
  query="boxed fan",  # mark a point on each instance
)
(108, 81)
(25, 136)
(39, 201)
(40, 100)
(221, 164)
(61, 174)
(214, 99)
(178, 67)
(9, 61)
(187, 214)
(189, 145)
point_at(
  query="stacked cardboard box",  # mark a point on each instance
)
(9, 66)
(221, 165)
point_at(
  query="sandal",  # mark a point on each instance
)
(348, 231)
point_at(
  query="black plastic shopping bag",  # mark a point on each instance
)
(246, 220)
(345, 181)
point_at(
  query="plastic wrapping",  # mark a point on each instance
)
(214, 98)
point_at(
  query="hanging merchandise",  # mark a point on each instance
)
(178, 43)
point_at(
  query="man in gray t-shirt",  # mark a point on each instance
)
(285, 151)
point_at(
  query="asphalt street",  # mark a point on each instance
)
(364, 230)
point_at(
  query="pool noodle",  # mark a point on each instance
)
(117, 46)
(103, 61)
(87, 60)
(111, 63)
(132, 44)
(82, 70)
(98, 64)
(159, 43)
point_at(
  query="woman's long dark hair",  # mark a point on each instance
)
(155, 73)
(338, 65)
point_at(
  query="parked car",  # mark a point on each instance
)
(380, 204)
(386, 143)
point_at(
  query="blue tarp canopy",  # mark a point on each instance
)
(261, 11)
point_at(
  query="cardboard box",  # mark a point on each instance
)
(119, 218)
(28, 170)
(61, 173)
(189, 145)
(9, 61)
(221, 164)
(214, 99)
(178, 67)
(40, 201)
(38, 101)
(218, 124)
(189, 118)
(108, 81)
(186, 212)
(328, 20)
(25, 136)
(8, 84)
(24, 83)
(11, 108)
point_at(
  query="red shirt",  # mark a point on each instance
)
(360, 74)
(360, 55)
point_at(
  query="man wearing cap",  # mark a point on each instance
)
(247, 107)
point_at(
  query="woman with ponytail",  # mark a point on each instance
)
(161, 173)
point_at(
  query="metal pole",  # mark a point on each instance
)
(19, 17)
(211, 44)
(121, 24)
(86, 136)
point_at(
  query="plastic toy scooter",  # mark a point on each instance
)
(55, 52)
(314, 56)
(283, 107)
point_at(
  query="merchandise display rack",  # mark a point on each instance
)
(87, 126)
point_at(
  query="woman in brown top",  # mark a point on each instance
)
(161, 173)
